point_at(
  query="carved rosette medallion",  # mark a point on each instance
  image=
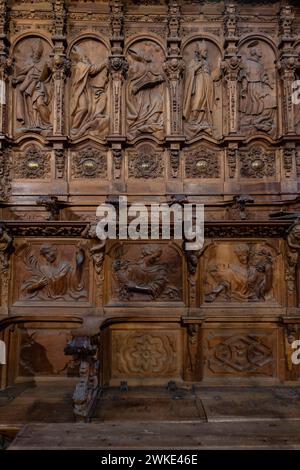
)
(89, 163)
(257, 163)
(202, 163)
(146, 353)
(34, 164)
(145, 163)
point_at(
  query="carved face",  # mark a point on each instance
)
(83, 369)
(49, 253)
(242, 254)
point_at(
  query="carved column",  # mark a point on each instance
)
(287, 66)
(117, 66)
(291, 260)
(60, 65)
(5, 65)
(5, 184)
(231, 65)
(174, 67)
(6, 250)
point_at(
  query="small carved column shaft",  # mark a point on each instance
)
(5, 64)
(231, 66)
(287, 66)
(174, 67)
(117, 66)
(60, 66)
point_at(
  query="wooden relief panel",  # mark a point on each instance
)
(242, 272)
(33, 163)
(42, 353)
(258, 91)
(297, 106)
(33, 87)
(145, 273)
(202, 95)
(257, 162)
(146, 90)
(89, 162)
(240, 352)
(146, 162)
(89, 90)
(203, 162)
(146, 353)
(51, 273)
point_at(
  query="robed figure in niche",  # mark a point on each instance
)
(199, 96)
(257, 102)
(54, 278)
(34, 94)
(145, 94)
(88, 96)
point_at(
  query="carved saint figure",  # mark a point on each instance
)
(144, 94)
(248, 279)
(88, 96)
(257, 101)
(33, 93)
(145, 276)
(198, 96)
(54, 278)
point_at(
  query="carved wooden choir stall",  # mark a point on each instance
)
(162, 101)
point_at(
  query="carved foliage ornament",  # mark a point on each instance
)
(89, 163)
(202, 163)
(145, 163)
(240, 353)
(256, 163)
(5, 185)
(33, 165)
(146, 353)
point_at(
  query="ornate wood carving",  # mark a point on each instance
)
(146, 273)
(145, 163)
(48, 273)
(248, 276)
(240, 353)
(256, 163)
(84, 349)
(5, 179)
(33, 87)
(202, 163)
(89, 89)
(145, 353)
(89, 163)
(33, 164)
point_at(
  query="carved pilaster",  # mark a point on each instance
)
(287, 70)
(174, 162)
(97, 253)
(60, 163)
(6, 250)
(117, 67)
(231, 65)
(231, 68)
(286, 19)
(117, 162)
(5, 184)
(174, 67)
(291, 261)
(289, 160)
(60, 65)
(232, 161)
(5, 65)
